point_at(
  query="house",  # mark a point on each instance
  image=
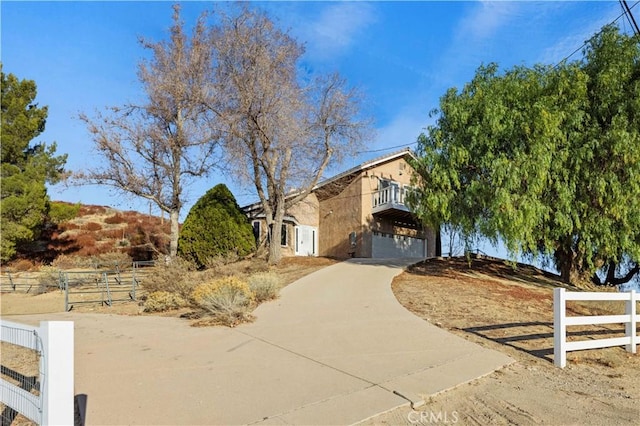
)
(358, 213)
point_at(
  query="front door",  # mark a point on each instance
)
(306, 241)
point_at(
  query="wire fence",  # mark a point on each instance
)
(103, 284)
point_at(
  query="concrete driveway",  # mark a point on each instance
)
(336, 348)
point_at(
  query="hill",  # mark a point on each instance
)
(96, 230)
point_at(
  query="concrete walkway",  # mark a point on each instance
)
(336, 348)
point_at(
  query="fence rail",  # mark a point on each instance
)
(54, 402)
(561, 321)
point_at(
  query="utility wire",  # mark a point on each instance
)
(630, 17)
(594, 36)
(387, 149)
(626, 11)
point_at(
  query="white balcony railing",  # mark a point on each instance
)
(392, 196)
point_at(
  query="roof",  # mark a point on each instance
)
(368, 165)
(354, 170)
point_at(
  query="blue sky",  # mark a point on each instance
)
(403, 55)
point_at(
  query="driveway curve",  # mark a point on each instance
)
(335, 348)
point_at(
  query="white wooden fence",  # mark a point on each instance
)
(561, 321)
(54, 342)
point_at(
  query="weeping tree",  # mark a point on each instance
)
(546, 159)
(280, 132)
(155, 148)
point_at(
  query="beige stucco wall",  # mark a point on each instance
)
(305, 212)
(339, 216)
(350, 211)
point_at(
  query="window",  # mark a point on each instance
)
(283, 235)
(256, 229)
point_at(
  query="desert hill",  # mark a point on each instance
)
(96, 230)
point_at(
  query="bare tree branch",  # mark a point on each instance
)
(153, 150)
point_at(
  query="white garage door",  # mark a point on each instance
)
(395, 246)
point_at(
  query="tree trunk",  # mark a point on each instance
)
(439, 242)
(175, 231)
(275, 250)
(564, 263)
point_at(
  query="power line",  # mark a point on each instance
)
(595, 35)
(630, 17)
(386, 149)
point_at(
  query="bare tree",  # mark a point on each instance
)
(154, 149)
(279, 134)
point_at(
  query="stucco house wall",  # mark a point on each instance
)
(341, 210)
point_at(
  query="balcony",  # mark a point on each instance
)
(389, 203)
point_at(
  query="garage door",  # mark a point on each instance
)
(394, 246)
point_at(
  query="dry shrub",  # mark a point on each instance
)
(176, 276)
(161, 301)
(115, 234)
(241, 267)
(93, 226)
(21, 265)
(86, 210)
(265, 286)
(116, 218)
(221, 260)
(228, 300)
(85, 240)
(65, 261)
(48, 279)
(67, 226)
(114, 258)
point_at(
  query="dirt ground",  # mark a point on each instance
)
(21, 303)
(512, 311)
(496, 306)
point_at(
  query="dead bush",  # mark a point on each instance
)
(265, 286)
(217, 262)
(112, 259)
(161, 301)
(48, 279)
(228, 300)
(85, 239)
(21, 265)
(93, 226)
(176, 276)
(65, 261)
(116, 218)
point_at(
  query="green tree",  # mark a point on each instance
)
(215, 226)
(26, 167)
(545, 158)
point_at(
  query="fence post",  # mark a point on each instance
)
(66, 292)
(630, 327)
(559, 328)
(57, 367)
(13, 286)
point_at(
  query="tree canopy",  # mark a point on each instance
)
(545, 158)
(215, 226)
(26, 166)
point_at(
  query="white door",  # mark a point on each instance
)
(306, 240)
(397, 246)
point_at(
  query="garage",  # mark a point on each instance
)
(397, 246)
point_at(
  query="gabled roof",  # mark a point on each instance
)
(354, 171)
(368, 165)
